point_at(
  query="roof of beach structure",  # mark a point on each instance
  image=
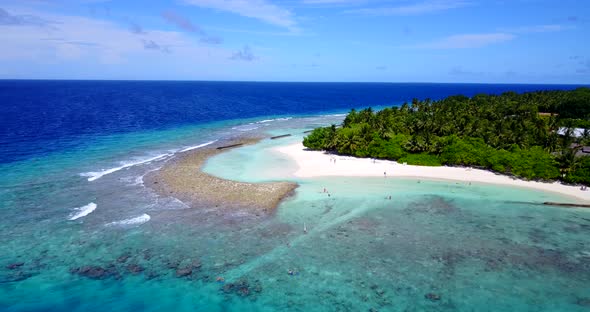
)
(577, 132)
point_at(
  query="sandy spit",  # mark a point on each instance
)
(182, 178)
(316, 164)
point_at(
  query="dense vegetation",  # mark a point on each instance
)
(504, 133)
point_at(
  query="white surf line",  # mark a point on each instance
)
(243, 269)
(132, 221)
(83, 211)
(190, 148)
(275, 119)
(93, 176)
(256, 125)
(139, 179)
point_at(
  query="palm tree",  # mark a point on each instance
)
(567, 157)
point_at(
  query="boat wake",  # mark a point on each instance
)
(82, 211)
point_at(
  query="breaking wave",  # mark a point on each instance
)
(190, 148)
(82, 211)
(95, 175)
(132, 221)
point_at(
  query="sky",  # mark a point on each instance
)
(473, 41)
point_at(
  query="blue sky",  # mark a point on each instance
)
(510, 41)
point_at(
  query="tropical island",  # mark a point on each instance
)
(534, 136)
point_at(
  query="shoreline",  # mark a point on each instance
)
(183, 179)
(313, 164)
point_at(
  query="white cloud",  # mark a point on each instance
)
(94, 40)
(245, 54)
(333, 1)
(180, 21)
(420, 8)
(536, 29)
(21, 20)
(467, 41)
(258, 9)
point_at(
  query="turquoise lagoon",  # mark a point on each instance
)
(435, 246)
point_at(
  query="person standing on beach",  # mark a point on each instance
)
(385, 174)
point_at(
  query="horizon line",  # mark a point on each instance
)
(310, 82)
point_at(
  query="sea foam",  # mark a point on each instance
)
(248, 127)
(275, 119)
(255, 125)
(82, 211)
(132, 221)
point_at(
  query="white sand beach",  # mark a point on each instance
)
(316, 164)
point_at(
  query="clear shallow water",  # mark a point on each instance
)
(478, 247)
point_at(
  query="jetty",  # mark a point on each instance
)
(566, 204)
(230, 146)
(280, 136)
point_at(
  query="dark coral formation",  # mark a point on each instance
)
(15, 265)
(242, 288)
(432, 297)
(433, 204)
(96, 272)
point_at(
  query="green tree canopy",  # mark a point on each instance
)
(503, 133)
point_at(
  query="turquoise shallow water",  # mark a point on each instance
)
(435, 246)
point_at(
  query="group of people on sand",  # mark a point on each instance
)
(333, 160)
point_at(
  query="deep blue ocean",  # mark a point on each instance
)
(80, 229)
(42, 116)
